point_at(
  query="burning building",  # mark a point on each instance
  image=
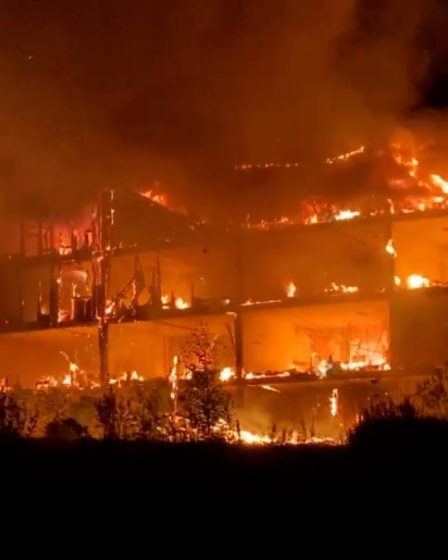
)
(335, 299)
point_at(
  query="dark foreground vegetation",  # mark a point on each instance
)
(399, 443)
(393, 449)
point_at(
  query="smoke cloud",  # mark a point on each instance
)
(125, 94)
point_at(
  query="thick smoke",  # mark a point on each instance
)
(126, 94)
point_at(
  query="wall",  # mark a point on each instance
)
(313, 257)
(147, 347)
(422, 248)
(278, 339)
(419, 328)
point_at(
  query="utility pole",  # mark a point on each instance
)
(101, 268)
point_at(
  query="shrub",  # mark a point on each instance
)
(66, 429)
(16, 421)
(432, 394)
(205, 404)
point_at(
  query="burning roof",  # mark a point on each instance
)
(361, 183)
(140, 221)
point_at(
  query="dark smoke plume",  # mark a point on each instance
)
(128, 93)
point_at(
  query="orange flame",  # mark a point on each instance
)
(342, 288)
(291, 290)
(158, 198)
(334, 402)
(226, 374)
(439, 182)
(390, 248)
(416, 281)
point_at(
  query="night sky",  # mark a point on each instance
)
(113, 93)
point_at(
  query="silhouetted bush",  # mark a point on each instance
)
(397, 427)
(432, 394)
(66, 429)
(16, 420)
(133, 414)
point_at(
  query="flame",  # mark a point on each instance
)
(334, 402)
(346, 215)
(165, 301)
(378, 363)
(181, 304)
(158, 198)
(270, 388)
(246, 437)
(63, 315)
(135, 376)
(346, 156)
(291, 290)
(126, 377)
(397, 280)
(4, 385)
(226, 374)
(433, 189)
(439, 182)
(250, 302)
(416, 281)
(253, 439)
(342, 288)
(46, 382)
(252, 375)
(269, 165)
(109, 308)
(324, 367)
(173, 381)
(390, 248)
(313, 219)
(67, 381)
